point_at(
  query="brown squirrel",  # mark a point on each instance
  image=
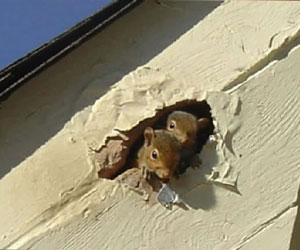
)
(160, 154)
(192, 134)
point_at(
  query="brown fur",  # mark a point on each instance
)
(190, 132)
(167, 150)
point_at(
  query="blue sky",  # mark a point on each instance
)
(28, 24)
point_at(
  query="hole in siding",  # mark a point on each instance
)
(118, 153)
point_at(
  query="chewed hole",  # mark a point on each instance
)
(118, 153)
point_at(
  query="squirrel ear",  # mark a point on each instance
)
(203, 123)
(148, 135)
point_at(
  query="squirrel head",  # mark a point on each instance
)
(185, 126)
(161, 152)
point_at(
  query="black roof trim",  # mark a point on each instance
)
(25, 68)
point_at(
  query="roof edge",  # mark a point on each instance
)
(16, 74)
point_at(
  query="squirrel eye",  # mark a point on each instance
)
(154, 155)
(172, 125)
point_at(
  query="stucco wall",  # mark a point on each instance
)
(242, 57)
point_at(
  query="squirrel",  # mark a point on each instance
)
(168, 152)
(192, 134)
(159, 155)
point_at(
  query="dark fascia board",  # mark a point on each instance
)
(28, 66)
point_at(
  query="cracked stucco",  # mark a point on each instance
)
(240, 56)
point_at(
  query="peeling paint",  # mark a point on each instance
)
(248, 180)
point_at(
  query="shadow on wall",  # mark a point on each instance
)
(194, 188)
(40, 108)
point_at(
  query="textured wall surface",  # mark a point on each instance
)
(242, 57)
